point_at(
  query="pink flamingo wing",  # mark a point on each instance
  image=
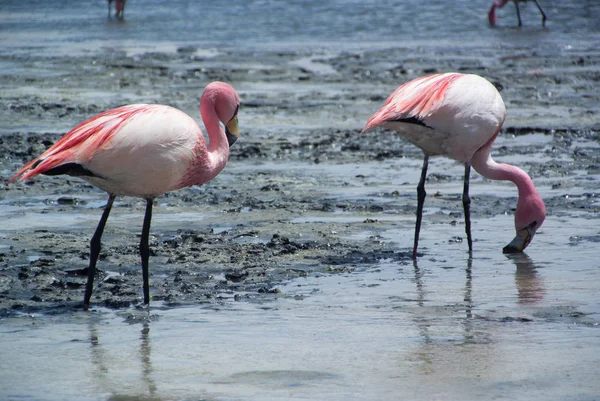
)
(418, 99)
(94, 133)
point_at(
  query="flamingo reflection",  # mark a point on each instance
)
(530, 286)
(101, 362)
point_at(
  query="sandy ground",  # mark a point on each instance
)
(308, 206)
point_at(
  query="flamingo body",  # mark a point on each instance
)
(440, 106)
(143, 150)
(137, 150)
(459, 116)
(152, 164)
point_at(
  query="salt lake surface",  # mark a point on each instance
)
(288, 276)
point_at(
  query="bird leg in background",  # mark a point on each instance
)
(120, 9)
(145, 249)
(467, 206)
(542, 11)
(518, 13)
(420, 201)
(95, 245)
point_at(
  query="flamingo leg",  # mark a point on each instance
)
(542, 11)
(95, 246)
(518, 13)
(145, 249)
(467, 206)
(420, 201)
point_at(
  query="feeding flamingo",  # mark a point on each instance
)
(459, 116)
(502, 3)
(143, 150)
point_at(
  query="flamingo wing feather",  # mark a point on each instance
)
(79, 144)
(414, 101)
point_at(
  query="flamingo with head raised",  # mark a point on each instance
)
(459, 116)
(501, 3)
(143, 150)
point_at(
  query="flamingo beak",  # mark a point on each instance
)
(232, 131)
(523, 238)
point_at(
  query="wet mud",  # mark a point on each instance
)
(305, 192)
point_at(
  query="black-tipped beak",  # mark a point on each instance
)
(522, 240)
(231, 130)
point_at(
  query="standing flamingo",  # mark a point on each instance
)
(459, 116)
(119, 8)
(502, 3)
(143, 150)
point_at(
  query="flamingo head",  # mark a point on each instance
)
(231, 128)
(226, 105)
(529, 216)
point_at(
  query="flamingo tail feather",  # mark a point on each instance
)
(414, 101)
(94, 133)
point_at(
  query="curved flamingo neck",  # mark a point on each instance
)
(209, 160)
(492, 13)
(218, 146)
(499, 3)
(483, 163)
(218, 143)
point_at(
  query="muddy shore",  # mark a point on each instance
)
(300, 161)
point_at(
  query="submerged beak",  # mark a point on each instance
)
(232, 131)
(523, 238)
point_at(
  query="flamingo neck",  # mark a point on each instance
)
(499, 3)
(492, 13)
(483, 163)
(530, 205)
(218, 146)
(216, 134)
(211, 159)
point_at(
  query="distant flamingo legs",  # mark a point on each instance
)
(502, 3)
(143, 150)
(459, 116)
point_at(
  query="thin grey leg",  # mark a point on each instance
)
(420, 201)
(467, 206)
(95, 246)
(145, 249)
(518, 13)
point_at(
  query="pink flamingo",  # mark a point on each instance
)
(143, 150)
(502, 3)
(459, 116)
(119, 8)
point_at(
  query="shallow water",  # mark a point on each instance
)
(508, 327)
(353, 318)
(278, 23)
